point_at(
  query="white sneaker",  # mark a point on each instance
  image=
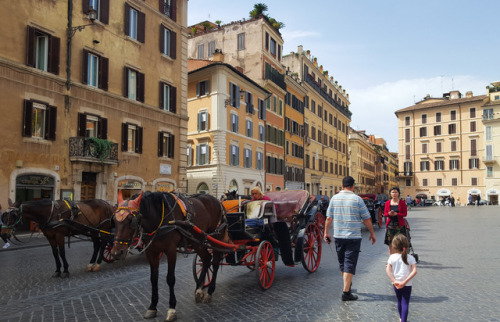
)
(7, 245)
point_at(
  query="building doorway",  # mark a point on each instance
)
(88, 186)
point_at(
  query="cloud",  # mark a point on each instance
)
(373, 107)
(290, 36)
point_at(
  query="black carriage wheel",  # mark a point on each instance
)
(106, 256)
(197, 267)
(265, 265)
(311, 248)
(319, 220)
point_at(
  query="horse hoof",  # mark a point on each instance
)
(89, 268)
(171, 315)
(207, 298)
(65, 275)
(150, 314)
(56, 274)
(96, 268)
(198, 296)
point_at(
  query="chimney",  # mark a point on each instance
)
(455, 95)
(468, 94)
(218, 55)
(300, 49)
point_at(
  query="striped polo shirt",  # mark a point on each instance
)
(348, 210)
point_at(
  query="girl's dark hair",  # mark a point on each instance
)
(397, 189)
(400, 244)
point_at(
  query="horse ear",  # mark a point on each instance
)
(120, 197)
(10, 203)
(137, 201)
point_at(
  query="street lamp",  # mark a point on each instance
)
(92, 17)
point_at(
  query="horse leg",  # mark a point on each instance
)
(57, 273)
(102, 246)
(154, 263)
(206, 259)
(171, 259)
(216, 259)
(62, 254)
(91, 265)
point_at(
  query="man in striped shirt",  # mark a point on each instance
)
(347, 210)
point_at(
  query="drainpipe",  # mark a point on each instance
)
(68, 45)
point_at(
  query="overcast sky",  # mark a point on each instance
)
(387, 54)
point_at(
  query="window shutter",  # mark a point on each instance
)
(104, 12)
(207, 87)
(173, 99)
(82, 121)
(28, 110)
(162, 99)
(199, 121)
(160, 144)
(208, 155)
(141, 26)
(173, 45)
(30, 46)
(126, 21)
(173, 10)
(162, 37)
(237, 94)
(238, 156)
(85, 67)
(103, 129)
(86, 6)
(171, 146)
(103, 73)
(53, 59)
(138, 147)
(198, 89)
(51, 122)
(231, 94)
(125, 81)
(198, 149)
(208, 121)
(140, 87)
(267, 41)
(124, 136)
(161, 6)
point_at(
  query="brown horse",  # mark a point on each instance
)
(58, 219)
(163, 221)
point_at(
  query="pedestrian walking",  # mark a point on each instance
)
(3, 234)
(395, 210)
(347, 211)
(401, 268)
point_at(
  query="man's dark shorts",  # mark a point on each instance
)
(348, 253)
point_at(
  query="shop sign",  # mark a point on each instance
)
(129, 185)
(35, 180)
(164, 187)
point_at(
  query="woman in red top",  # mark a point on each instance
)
(395, 210)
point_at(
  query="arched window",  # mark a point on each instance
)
(202, 188)
(233, 185)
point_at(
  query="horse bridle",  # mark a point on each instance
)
(18, 218)
(135, 224)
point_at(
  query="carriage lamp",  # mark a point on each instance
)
(92, 16)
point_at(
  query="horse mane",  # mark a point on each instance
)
(42, 203)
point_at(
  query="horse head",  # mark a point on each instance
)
(10, 218)
(127, 220)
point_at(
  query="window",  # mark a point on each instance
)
(168, 97)
(39, 120)
(487, 133)
(453, 115)
(454, 181)
(267, 41)
(407, 135)
(407, 152)
(474, 163)
(408, 182)
(439, 147)
(489, 152)
(424, 147)
(260, 161)
(438, 117)
(134, 86)
(42, 51)
(134, 23)
(439, 165)
(166, 144)
(203, 88)
(454, 165)
(249, 130)
(424, 165)
(489, 172)
(262, 135)
(473, 126)
(131, 138)
(234, 123)
(95, 70)
(92, 126)
(273, 47)
(168, 8)
(453, 146)
(203, 121)
(407, 120)
(248, 158)
(423, 131)
(249, 102)
(211, 48)
(472, 112)
(439, 182)
(437, 130)
(407, 168)
(201, 49)
(234, 95)
(473, 147)
(487, 114)
(474, 181)
(102, 8)
(262, 109)
(189, 154)
(202, 154)
(280, 111)
(241, 41)
(452, 128)
(235, 155)
(424, 118)
(168, 42)
(275, 103)
(424, 182)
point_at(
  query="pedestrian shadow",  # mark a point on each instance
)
(371, 297)
(424, 264)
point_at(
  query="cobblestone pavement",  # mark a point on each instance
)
(457, 280)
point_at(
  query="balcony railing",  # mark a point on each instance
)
(487, 116)
(310, 80)
(93, 150)
(488, 159)
(277, 78)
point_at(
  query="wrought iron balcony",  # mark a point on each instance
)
(274, 76)
(310, 80)
(93, 150)
(489, 159)
(405, 174)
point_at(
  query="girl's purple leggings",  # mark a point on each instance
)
(403, 296)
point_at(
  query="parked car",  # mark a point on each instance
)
(429, 202)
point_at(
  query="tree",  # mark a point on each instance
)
(258, 9)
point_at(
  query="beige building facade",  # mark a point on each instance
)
(491, 156)
(362, 162)
(441, 144)
(94, 108)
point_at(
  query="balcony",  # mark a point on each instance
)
(93, 150)
(488, 160)
(310, 80)
(406, 174)
(274, 76)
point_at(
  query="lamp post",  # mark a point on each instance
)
(70, 32)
